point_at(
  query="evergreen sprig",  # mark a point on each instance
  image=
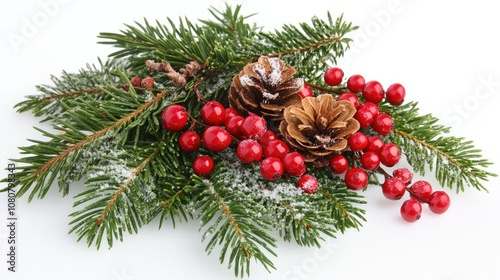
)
(456, 162)
(107, 133)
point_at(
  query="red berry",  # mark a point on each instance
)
(374, 144)
(351, 97)
(249, 151)
(370, 160)
(216, 138)
(338, 164)
(231, 112)
(308, 183)
(411, 210)
(370, 106)
(390, 154)
(294, 164)
(382, 124)
(439, 202)
(355, 83)
(203, 165)
(148, 82)
(357, 141)
(271, 168)
(174, 118)
(356, 179)
(136, 81)
(373, 92)
(395, 94)
(306, 91)
(268, 136)
(276, 148)
(189, 141)
(213, 113)
(333, 76)
(403, 174)
(421, 190)
(233, 124)
(253, 127)
(393, 188)
(364, 117)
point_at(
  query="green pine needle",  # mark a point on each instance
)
(456, 162)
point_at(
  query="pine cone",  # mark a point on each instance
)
(265, 88)
(318, 128)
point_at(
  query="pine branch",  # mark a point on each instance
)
(342, 203)
(117, 197)
(86, 84)
(173, 170)
(242, 235)
(455, 161)
(304, 222)
(309, 47)
(53, 157)
(214, 44)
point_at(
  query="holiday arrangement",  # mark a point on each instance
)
(250, 132)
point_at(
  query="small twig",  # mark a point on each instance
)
(337, 90)
(180, 78)
(198, 93)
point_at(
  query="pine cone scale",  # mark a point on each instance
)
(302, 116)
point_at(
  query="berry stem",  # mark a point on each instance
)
(387, 175)
(415, 195)
(195, 87)
(337, 90)
(383, 172)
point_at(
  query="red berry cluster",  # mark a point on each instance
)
(371, 152)
(138, 82)
(398, 184)
(255, 144)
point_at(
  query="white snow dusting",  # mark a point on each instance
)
(275, 75)
(245, 80)
(269, 96)
(272, 78)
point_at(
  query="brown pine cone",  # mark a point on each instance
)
(318, 127)
(265, 88)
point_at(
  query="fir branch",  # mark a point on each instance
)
(64, 154)
(307, 47)
(304, 221)
(87, 83)
(456, 162)
(175, 206)
(215, 44)
(111, 204)
(173, 170)
(341, 206)
(333, 208)
(117, 197)
(42, 172)
(235, 224)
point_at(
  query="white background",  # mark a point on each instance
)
(446, 55)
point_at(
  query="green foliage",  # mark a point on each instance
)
(133, 170)
(119, 195)
(294, 44)
(217, 43)
(456, 162)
